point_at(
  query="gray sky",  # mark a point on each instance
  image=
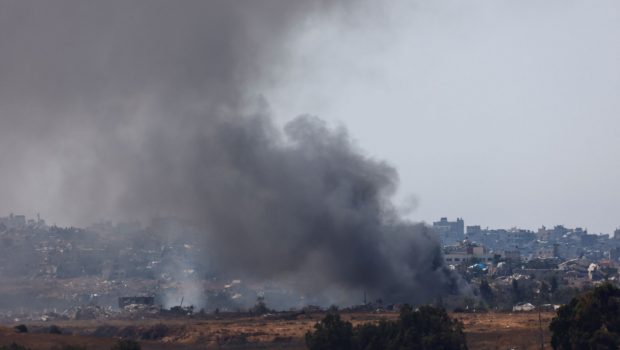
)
(503, 112)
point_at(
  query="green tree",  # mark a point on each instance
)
(553, 283)
(21, 328)
(70, 347)
(544, 293)
(124, 344)
(13, 346)
(261, 307)
(589, 321)
(428, 328)
(331, 333)
(609, 272)
(517, 296)
(486, 292)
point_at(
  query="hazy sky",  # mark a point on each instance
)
(505, 113)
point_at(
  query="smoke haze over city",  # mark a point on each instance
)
(234, 117)
(136, 110)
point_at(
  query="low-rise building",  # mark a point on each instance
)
(466, 251)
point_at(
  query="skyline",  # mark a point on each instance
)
(428, 222)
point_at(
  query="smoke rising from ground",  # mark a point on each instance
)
(124, 109)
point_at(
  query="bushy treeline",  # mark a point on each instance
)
(119, 345)
(589, 321)
(427, 328)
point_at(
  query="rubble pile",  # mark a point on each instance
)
(89, 312)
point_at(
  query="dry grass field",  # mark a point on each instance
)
(484, 331)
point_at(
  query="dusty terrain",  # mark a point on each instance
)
(506, 330)
(484, 331)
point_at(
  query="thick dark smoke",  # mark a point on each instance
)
(132, 109)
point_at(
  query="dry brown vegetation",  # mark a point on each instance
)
(484, 331)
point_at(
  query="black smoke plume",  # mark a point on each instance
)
(124, 109)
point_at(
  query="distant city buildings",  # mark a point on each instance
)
(511, 267)
(515, 244)
(450, 232)
(508, 266)
(19, 222)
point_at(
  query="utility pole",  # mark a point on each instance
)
(542, 336)
(539, 307)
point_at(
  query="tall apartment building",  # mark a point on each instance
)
(450, 232)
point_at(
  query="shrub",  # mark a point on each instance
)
(589, 321)
(155, 332)
(71, 347)
(13, 346)
(54, 329)
(126, 345)
(21, 328)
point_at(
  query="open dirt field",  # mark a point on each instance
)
(484, 331)
(506, 330)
